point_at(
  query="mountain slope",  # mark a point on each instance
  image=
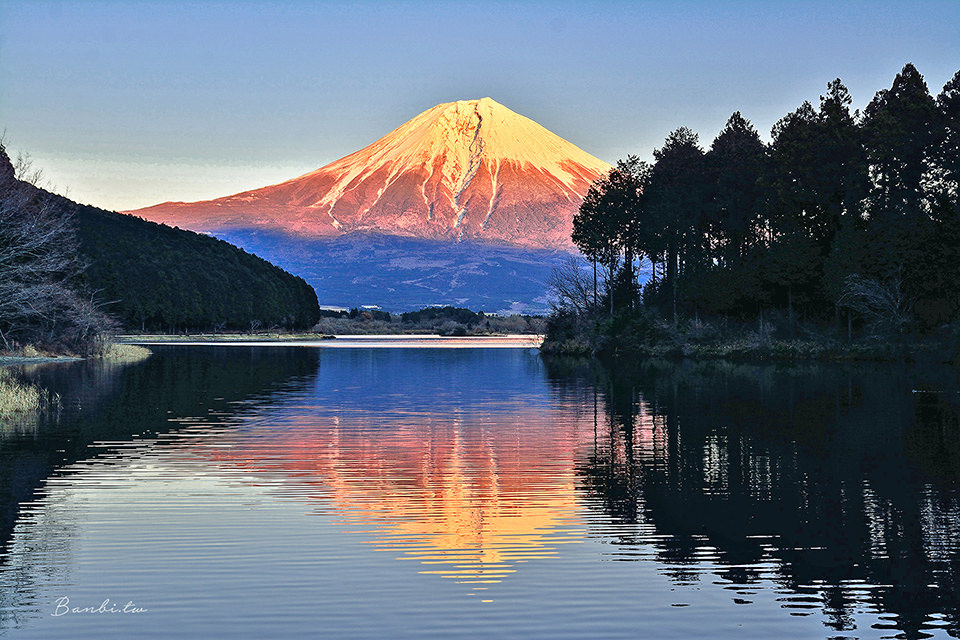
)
(461, 170)
(153, 277)
(159, 278)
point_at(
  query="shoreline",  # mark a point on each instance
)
(116, 352)
(746, 351)
(163, 338)
(12, 361)
(532, 341)
(160, 338)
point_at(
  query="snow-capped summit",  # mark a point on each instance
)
(466, 169)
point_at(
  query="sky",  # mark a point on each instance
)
(127, 104)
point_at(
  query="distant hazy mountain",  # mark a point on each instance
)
(467, 170)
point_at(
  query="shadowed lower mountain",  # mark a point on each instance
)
(405, 274)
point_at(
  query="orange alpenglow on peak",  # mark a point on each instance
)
(471, 169)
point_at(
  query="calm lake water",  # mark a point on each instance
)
(284, 491)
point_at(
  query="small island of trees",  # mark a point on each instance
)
(845, 227)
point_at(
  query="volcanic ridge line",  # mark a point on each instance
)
(473, 165)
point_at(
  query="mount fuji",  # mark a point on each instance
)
(483, 197)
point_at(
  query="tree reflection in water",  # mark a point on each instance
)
(839, 483)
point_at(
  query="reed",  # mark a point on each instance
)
(22, 399)
(125, 353)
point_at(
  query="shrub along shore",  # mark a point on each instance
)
(642, 335)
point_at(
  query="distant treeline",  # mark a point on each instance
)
(841, 213)
(456, 314)
(452, 321)
(157, 278)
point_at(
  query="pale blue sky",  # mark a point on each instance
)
(125, 104)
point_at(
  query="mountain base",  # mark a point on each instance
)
(397, 273)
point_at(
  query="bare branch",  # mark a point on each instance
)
(571, 288)
(883, 304)
(39, 265)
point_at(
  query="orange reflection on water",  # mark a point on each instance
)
(467, 496)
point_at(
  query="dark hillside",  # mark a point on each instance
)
(156, 277)
(56, 255)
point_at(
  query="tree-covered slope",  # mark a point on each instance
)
(151, 276)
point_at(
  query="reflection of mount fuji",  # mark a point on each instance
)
(469, 507)
(466, 486)
(469, 172)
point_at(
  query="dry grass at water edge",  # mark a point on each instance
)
(20, 400)
(125, 353)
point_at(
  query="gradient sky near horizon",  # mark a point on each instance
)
(127, 104)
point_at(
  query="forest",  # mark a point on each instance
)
(72, 274)
(846, 224)
(154, 277)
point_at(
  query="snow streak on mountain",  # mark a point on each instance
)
(471, 169)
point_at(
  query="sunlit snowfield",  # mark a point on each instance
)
(283, 491)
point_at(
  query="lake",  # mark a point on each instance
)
(252, 491)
